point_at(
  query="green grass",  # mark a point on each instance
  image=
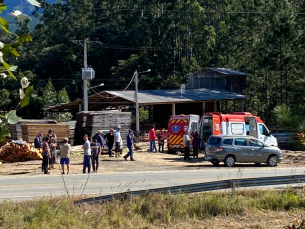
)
(148, 211)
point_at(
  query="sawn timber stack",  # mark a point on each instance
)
(91, 121)
(30, 131)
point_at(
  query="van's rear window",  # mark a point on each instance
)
(214, 141)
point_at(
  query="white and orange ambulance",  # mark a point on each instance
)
(238, 123)
(177, 125)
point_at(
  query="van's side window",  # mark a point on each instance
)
(262, 129)
(237, 128)
(240, 142)
(227, 141)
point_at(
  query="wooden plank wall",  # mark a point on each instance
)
(30, 131)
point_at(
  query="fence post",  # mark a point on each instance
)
(233, 186)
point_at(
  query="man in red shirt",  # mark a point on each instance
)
(152, 139)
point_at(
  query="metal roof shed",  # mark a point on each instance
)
(104, 99)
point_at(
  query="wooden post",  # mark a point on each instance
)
(203, 108)
(173, 109)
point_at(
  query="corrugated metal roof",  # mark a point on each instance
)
(174, 95)
(149, 97)
(227, 71)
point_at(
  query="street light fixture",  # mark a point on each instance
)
(86, 94)
(101, 84)
(136, 74)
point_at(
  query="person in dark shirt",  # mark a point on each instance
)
(37, 141)
(95, 152)
(196, 144)
(98, 137)
(130, 146)
(109, 141)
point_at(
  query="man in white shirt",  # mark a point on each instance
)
(117, 140)
(87, 154)
(186, 143)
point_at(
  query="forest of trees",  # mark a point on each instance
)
(264, 38)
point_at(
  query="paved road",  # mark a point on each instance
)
(29, 187)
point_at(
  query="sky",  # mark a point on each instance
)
(21, 5)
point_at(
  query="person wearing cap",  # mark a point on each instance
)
(109, 137)
(95, 152)
(98, 137)
(87, 154)
(130, 146)
(37, 141)
(65, 156)
(117, 139)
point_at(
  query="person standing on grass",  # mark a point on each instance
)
(87, 154)
(96, 149)
(186, 143)
(37, 141)
(109, 137)
(152, 139)
(118, 139)
(65, 156)
(45, 155)
(130, 146)
(196, 144)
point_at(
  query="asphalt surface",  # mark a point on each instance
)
(31, 187)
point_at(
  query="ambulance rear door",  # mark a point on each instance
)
(251, 126)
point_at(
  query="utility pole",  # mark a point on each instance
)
(87, 73)
(136, 74)
(137, 107)
(85, 80)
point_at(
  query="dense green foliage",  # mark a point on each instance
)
(174, 38)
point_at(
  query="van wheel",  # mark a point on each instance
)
(272, 160)
(229, 161)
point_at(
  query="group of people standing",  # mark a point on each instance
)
(94, 149)
(48, 144)
(152, 139)
(193, 140)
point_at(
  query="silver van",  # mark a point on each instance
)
(245, 149)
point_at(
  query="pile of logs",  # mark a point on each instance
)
(11, 152)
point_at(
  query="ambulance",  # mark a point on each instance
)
(177, 125)
(237, 123)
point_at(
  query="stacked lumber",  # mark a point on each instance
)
(30, 131)
(72, 129)
(16, 131)
(11, 152)
(91, 121)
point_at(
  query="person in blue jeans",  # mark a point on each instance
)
(87, 154)
(130, 146)
(152, 139)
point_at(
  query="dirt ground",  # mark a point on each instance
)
(144, 162)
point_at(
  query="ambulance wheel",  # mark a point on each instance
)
(229, 161)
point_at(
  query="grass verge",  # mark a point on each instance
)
(205, 210)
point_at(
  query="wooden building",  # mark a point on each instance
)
(218, 78)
